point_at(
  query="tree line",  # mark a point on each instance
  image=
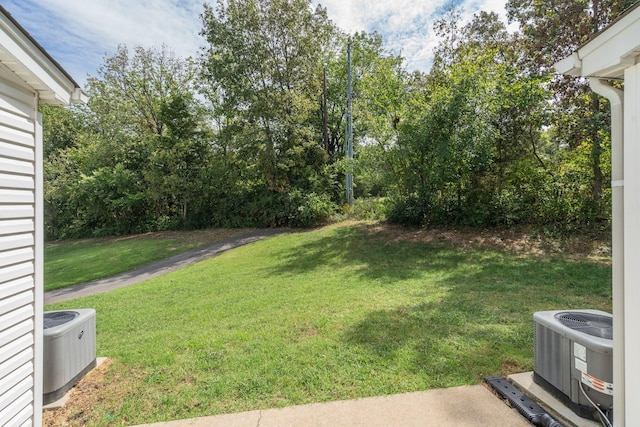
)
(252, 132)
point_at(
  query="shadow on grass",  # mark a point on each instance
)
(450, 353)
(367, 254)
(473, 311)
(478, 321)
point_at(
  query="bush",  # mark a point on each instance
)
(409, 211)
(369, 209)
(261, 207)
(310, 210)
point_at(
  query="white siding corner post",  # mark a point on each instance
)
(39, 272)
(616, 100)
(631, 244)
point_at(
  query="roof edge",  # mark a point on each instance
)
(38, 45)
(34, 64)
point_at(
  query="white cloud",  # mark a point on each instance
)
(78, 33)
(141, 22)
(406, 25)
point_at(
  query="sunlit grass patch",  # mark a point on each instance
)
(334, 313)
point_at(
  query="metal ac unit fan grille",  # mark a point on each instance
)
(592, 324)
(57, 318)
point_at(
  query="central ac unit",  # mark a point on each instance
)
(573, 359)
(69, 350)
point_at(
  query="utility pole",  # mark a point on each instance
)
(349, 131)
(325, 118)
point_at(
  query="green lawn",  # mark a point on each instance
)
(77, 261)
(334, 313)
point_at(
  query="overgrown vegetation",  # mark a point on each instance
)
(237, 137)
(336, 313)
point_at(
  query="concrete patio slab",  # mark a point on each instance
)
(466, 406)
(524, 381)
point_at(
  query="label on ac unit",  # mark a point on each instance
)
(580, 357)
(580, 351)
(597, 384)
(581, 365)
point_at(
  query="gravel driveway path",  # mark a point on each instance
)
(155, 269)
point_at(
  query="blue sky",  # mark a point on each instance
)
(78, 33)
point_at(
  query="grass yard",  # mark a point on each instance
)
(77, 261)
(345, 311)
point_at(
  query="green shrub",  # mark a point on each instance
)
(310, 210)
(406, 210)
(369, 209)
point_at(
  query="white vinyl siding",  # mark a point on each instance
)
(19, 300)
(28, 78)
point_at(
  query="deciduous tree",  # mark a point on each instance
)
(265, 59)
(551, 31)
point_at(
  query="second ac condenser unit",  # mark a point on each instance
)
(69, 350)
(573, 358)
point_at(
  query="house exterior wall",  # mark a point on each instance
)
(631, 246)
(20, 246)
